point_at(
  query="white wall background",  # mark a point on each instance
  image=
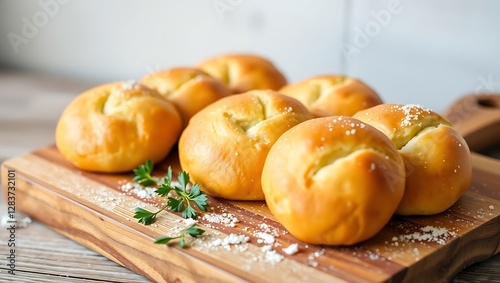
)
(426, 52)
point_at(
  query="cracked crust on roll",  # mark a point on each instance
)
(225, 145)
(333, 181)
(437, 158)
(332, 95)
(244, 72)
(116, 127)
(189, 89)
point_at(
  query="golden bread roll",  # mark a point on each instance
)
(189, 89)
(116, 127)
(225, 145)
(333, 181)
(333, 95)
(437, 158)
(242, 73)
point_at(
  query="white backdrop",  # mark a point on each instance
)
(426, 52)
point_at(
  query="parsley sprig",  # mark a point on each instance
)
(182, 200)
(143, 174)
(184, 197)
(146, 217)
(192, 231)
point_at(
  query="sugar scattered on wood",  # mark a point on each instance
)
(268, 229)
(226, 219)
(272, 257)
(313, 256)
(231, 239)
(428, 234)
(265, 238)
(291, 249)
(138, 190)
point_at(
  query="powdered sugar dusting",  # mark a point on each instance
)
(232, 239)
(130, 85)
(437, 235)
(132, 188)
(412, 113)
(226, 219)
(271, 256)
(350, 128)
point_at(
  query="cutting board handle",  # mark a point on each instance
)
(477, 119)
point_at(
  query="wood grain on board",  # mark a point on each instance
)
(92, 209)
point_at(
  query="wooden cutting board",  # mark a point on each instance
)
(97, 210)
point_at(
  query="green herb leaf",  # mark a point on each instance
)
(164, 240)
(201, 202)
(183, 180)
(169, 176)
(192, 231)
(164, 189)
(143, 174)
(189, 212)
(175, 204)
(178, 202)
(195, 190)
(182, 202)
(145, 217)
(198, 197)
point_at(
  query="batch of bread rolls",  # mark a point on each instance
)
(333, 162)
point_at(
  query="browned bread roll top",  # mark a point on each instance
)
(116, 127)
(333, 180)
(244, 72)
(437, 158)
(331, 95)
(225, 145)
(189, 89)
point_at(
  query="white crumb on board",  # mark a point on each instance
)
(270, 251)
(313, 256)
(226, 219)
(437, 235)
(291, 249)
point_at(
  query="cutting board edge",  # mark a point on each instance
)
(221, 274)
(5, 166)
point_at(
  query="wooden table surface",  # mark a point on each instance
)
(30, 105)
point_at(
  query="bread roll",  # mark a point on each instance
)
(225, 145)
(116, 127)
(333, 181)
(333, 95)
(437, 158)
(242, 73)
(189, 89)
